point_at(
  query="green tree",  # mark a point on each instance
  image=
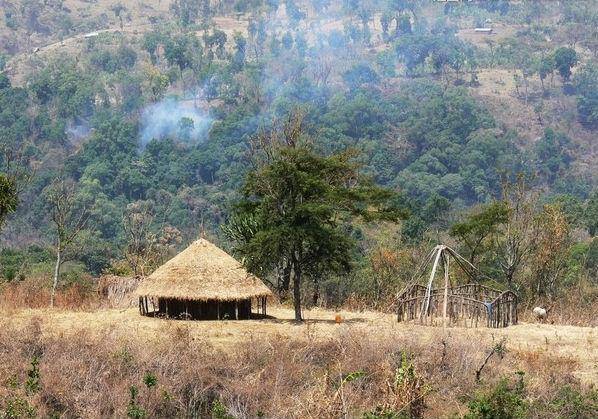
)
(565, 59)
(475, 232)
(186, 11)
(300, 201)
(118, 10)
(586, 85)
(545, 68)
(186, 127)
(8, 198)
(591, 214)
(553, 152)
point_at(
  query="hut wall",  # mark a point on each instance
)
(228, 310)
(209, 310)
(204, 310)
(244, 309)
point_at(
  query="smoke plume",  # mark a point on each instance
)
(173, 118)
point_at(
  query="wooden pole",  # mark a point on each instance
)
(446, 287)
(426, 302)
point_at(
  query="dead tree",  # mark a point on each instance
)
(69, 218)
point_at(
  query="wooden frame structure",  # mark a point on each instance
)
(472, 304)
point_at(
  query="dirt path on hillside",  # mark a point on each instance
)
(577, 345)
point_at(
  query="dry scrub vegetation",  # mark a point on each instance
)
(115, 363)
(82, 359)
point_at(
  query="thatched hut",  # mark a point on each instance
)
(202, 282)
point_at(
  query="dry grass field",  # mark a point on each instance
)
(90, 360)
(577, 346)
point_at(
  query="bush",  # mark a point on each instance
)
(570, 403)
(504, 401)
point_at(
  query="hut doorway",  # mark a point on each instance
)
(470, 304)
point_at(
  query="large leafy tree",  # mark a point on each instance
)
(297, 202)
(476, 231)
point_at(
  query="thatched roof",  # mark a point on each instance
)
(119, 291)
(203, 272)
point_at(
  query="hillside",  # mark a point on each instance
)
(329, 146)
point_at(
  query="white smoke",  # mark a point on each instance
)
(163, 120)
(77, 131)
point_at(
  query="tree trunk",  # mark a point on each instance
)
(316, 294)
(284, 281)
(510, 274)
(297, 289)
(56, 275)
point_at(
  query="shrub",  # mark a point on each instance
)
(134, 410)
(570, 403)
(505, 401)
(17, 407)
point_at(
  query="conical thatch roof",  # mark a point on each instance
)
(202, 272)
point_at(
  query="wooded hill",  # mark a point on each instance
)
(143, 115)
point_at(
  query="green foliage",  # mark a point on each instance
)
(150, 380)
(8, 198)
(17, 263)
(32, 384)
(586, 85)
(591, 259)
(477, 230)
(352, 376)
(565, 59)
(66, 89)
(18, 408)
(360, 74)
(109, 60)
(134, 410)
(298, 201)
(181, 50)
(219, 411)
(570, 402)
(505, 401)
(437, 51)
(553, 152)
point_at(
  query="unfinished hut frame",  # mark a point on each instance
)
(471, 304)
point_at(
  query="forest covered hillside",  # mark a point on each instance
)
(380, 209)
(142, 117)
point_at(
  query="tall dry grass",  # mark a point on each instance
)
(33, 293)
(348, 375)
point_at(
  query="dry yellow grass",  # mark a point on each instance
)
(574, 345)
